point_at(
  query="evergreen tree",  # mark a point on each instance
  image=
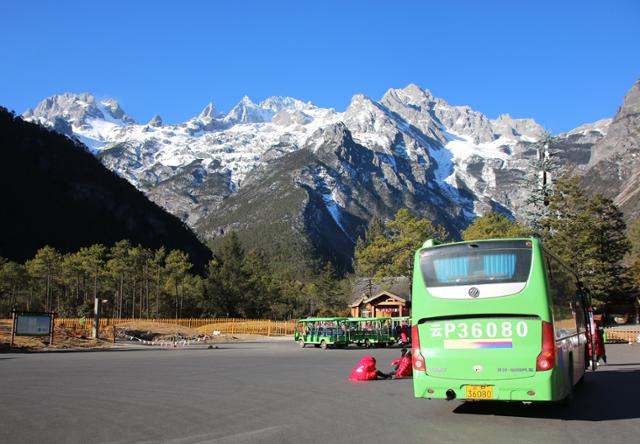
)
(117, 266)
(12, 278)
(74, 278)
(634, 238)
(156, 268)
(609, 245)
(327, 292)
(176, 266)
(492, 226)
(391, 253)
(261, 291)
(93, 264)
(588, 235)
(45, 267)
(226, 278)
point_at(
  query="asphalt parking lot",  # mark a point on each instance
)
(277, 393)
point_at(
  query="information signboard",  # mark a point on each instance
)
(33, 324)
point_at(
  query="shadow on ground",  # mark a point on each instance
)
(603, 395)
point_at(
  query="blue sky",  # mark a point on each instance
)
(563, 63)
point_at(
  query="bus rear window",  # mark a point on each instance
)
(475, 264)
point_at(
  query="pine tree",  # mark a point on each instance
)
(12, 278)
(226, 278)
(118, 266)
(45, 267)
(492, 226)
(609, 245)
(588, 235)
(93, 264)
(391, 253)
(634, 238)
(260, 290)
(176, 266)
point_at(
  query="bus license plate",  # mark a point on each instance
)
(479, 391)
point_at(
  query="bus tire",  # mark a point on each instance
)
(301, 343)
(367, 343)
(323, 344)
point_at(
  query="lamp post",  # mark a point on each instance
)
(95, 331)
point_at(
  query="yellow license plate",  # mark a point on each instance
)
(479, 392)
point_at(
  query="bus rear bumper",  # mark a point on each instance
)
(538, 387)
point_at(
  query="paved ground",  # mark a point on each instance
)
(277, 393)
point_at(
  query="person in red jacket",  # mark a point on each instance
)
(403, 366)
(366, 370)
(600, 351)
(404, 334)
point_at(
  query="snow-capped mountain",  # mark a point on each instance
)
(409, 149)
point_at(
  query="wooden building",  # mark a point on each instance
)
(390, 297)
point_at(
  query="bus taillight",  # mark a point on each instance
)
(416, 355)
(547, 357)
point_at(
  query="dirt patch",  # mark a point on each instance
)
(62, 339)
(136, 332)
(160, 333)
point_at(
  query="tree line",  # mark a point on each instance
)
(139, 282)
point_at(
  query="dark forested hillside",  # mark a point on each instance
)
(56, 193)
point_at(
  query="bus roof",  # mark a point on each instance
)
(431, 243)
(321, 319)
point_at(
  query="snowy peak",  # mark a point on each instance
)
(208, 112)
(279, 103)
(78, 109)
(247, 112)
(507, 126)
(410, 96)
(156, 121)
(111, 108)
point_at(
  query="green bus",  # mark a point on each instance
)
(369, 332)
(322, 332)
(496, 320)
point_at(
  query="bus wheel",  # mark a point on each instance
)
(301, 343)
(566, 401)
(323, 344)
(367, 343)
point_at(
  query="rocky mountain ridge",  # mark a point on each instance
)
(410, 149)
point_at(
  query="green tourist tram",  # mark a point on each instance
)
(370, 332)
(322, 332)
(496, 319)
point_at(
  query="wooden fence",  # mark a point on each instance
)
(620, 335)
(203, 325)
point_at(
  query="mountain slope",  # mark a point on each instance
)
(56, 193)
(614, 167)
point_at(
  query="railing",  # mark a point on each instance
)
(620, 335)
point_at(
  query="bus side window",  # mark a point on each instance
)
(580, 310)
(563, 289)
